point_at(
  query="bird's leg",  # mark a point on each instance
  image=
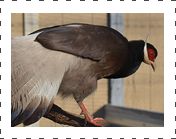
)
(89, 118)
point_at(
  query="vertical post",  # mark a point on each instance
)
(31, 23)
(0, 75)
(116, 86)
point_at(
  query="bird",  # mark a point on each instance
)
(68, 60)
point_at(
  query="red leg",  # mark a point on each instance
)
(89, 118)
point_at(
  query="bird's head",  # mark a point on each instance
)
(150, 54)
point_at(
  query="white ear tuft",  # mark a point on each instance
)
(146, 59)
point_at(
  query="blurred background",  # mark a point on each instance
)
(137, 100)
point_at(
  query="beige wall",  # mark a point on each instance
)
(65, 18)
(144, 89)
(17, 24)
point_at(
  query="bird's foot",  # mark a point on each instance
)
(95, 121)
(89, 118)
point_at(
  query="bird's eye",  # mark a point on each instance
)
(151, 54)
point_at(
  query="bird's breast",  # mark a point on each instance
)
(79, 80)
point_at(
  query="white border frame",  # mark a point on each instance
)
(167, 7)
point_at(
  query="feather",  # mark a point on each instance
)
(67, 60)
(35, 78)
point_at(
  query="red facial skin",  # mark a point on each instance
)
(151, 54)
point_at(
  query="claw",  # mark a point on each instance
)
(98, 119)
(95, 123)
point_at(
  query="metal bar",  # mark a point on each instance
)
(116, 86)
(133, 117)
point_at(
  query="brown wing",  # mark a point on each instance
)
(83, 40)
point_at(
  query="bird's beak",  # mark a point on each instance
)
(146, 59)
(153, 64)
